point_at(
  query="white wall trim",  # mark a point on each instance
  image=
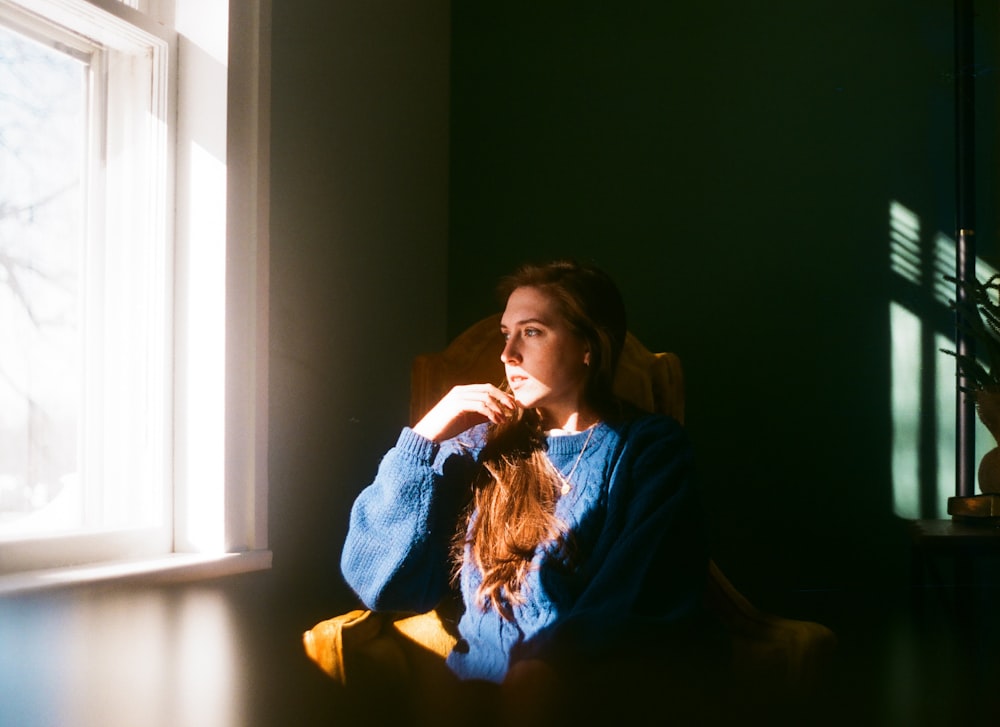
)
(176, 568)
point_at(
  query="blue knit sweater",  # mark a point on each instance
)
(639, 560)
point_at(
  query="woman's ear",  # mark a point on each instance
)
(586, 358)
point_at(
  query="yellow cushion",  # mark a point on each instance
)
(383, 643)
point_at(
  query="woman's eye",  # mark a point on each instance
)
(529, 332)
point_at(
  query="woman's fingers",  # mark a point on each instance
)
(493, 403)
(463, 407)
(485, 400)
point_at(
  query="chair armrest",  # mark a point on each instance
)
(355, 644)
(427, 630)
(781, 652)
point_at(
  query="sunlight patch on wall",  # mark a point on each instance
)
(923, 396)
(921, 482)
(905, 330)
(947, 429)
(904, 243)
(944, 264)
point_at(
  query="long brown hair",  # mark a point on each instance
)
(513, 505)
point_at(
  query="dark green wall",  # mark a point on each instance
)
(733, 167)
(359, 223)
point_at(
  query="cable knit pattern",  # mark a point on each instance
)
(639, 549)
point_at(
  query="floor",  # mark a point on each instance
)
(229, 655)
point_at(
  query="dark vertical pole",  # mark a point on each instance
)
(966, 225)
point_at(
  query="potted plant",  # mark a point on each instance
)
(979, 318)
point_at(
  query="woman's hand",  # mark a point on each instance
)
(464, 407)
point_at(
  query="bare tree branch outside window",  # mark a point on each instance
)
(43, 100)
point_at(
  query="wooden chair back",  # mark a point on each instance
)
(651, 381)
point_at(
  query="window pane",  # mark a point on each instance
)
(43, 105)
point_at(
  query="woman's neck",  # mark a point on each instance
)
(571, 423)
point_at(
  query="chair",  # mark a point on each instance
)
(774, 659)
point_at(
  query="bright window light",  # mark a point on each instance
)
(84, 378)
(133, 319)
(204, 435)
(43, 112)
(85, 293)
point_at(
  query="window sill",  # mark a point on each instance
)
(175, 568)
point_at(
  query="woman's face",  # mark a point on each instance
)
(546, 363)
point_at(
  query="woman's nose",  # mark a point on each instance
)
(509, 352)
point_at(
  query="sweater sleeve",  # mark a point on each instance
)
(642, 585)
(396, 555)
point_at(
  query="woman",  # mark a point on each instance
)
(568, 518)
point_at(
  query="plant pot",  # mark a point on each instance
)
(988, 408)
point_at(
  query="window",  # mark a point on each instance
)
(131, 306)
(42, 111)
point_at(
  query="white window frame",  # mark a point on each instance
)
(219, 53)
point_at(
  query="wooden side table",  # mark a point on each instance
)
(964, 543)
